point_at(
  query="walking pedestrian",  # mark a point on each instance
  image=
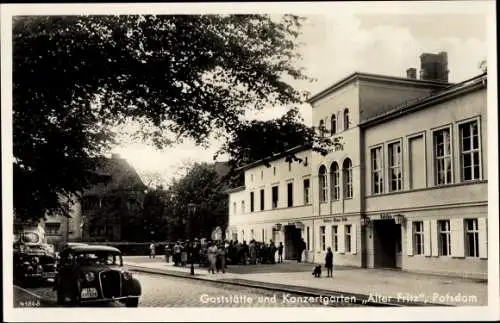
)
(212, 257)
(152, 248)
(221, 255)
(177, 253)
(280, 252)
(329, 262)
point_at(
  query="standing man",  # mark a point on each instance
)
(152, 252)
(280, 252)
(301, 248)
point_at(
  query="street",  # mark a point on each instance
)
(165, 291)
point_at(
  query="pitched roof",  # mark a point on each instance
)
(273, 157)
(446, 94)
(121, 177)
(376, 77)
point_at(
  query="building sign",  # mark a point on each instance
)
(336, 219)
(386, 216)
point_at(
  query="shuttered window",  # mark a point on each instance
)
(418, 238)
(471, 238)
(444, 237)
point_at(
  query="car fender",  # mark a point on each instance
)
(134, 287)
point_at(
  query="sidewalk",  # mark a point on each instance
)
(372, 286)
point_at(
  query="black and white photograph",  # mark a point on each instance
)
(248, 161)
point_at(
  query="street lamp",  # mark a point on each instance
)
(191, 211)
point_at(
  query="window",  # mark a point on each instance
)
(234, 207)
(52, 228)
(306, 191)
(335, 181)
(322, 184)
(470, 152)
(377, 171)
(335, 238)
(322, 128)
(261, 174)
(444, 238)
(306, 162)
(442, 157)
(252, 234)
(289, 166)
(418, 237)
(322, 238)
(333, 123)
(251, 178)
(242, 207)
(275, 197)
(252, 206)
(243, 235)
(290, 194)
(308, 238)
(348, 238)
(261, 200)
(395, 178)
(274, 170)
(346, 119)
(263, 236)
(471, 238)
(347, 167)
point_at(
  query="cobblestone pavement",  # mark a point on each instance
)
(163, 291)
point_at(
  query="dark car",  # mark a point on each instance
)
(34, 263)
(94, 274)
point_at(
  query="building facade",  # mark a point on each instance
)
(109, 211)
(409, 189)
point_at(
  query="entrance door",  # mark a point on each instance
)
(399, 247)
(292, 239)
(385, 242)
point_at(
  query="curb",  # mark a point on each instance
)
(306, 291)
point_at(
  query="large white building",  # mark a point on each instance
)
(409, 190)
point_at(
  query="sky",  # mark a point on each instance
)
(336, 44)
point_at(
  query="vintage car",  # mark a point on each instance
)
(34, 263)
(94, 274)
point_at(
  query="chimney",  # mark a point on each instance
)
(411, 73)
(434, 67)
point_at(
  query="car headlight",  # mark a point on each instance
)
(127, 275)
(90, 276)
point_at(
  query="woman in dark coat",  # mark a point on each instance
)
(329, 262)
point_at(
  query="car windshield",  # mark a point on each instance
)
(95, 258)
(31, 237)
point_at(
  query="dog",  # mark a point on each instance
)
(317, 271)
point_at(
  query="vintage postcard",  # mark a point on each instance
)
(324, 161)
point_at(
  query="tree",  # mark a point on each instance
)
(260, 140)
(77, 79)
(204, 187)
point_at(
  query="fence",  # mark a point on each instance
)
(133, 248)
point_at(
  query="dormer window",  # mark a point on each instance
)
(333, 122)
(346, 119)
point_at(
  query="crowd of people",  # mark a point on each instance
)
(218, 254)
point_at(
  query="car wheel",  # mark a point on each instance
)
(132, 302)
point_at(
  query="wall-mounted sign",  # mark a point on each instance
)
(327, 220)
(339, 219)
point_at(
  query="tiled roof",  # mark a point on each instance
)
(122, 177)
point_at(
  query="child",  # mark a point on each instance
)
(329, 262)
